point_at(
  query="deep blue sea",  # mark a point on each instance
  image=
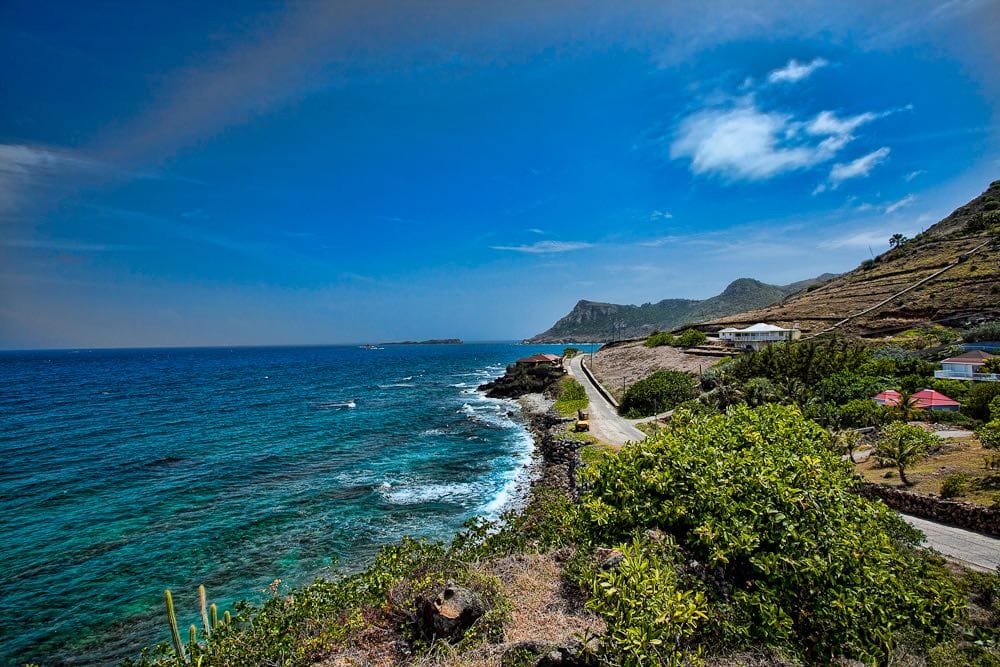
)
(125, 472)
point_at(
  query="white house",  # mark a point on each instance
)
(757, 336)
(967, 366)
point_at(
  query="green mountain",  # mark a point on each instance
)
(594, 321)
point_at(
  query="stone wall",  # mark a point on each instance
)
(963, 515)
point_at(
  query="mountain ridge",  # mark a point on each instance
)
(597, 321)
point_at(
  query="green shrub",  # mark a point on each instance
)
(571, 397)
(651, 618)
(659, 339)
(954, 486)
(691, 338)
(863, 412)
(989, 434)
(766, 526)
(656, 393)
(977, 402)
(987, 331)
(570, 352)
(956, 389)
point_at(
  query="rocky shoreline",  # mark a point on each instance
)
(555, 458)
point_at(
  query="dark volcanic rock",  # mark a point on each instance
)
(521, 380)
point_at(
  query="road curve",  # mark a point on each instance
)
(605, 424)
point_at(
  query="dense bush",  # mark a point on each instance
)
(760, 517)
(977, 402)
(656, 393)
(844, 386)
(956, 389)
(955, 485)
(571, 396)
(863, 412)
(987, 331)
(659, 339)
(691, 338)
(808, 362)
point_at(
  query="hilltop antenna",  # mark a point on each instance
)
(870, 252)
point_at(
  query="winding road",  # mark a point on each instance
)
(973, 550)
(605, 424)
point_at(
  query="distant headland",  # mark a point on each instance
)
(433, 341)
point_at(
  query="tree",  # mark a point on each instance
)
(897, 240)
(660, 391)
(902, 445)
(846, 441)
(907, 407)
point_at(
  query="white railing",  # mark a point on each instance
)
(978, 377)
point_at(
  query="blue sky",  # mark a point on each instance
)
(254, 173)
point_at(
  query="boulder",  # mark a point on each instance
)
(450, 613)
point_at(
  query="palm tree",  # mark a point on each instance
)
(907, 407)
(896, 240)
(846, 440)
(902, 445)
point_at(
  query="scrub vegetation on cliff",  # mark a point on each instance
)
(723, 533)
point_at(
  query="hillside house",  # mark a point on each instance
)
(967, 366)
(757, 336)
(925, 399)
(540, 360)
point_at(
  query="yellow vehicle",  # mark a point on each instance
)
(582, 425)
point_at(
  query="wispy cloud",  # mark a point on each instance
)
(23, 167)
(660, 215)
(913, 174)
(795, 71)
(858, 168)
(546, 247)
(896, 205)
(535, 230)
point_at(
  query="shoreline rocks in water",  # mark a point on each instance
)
(522, 379)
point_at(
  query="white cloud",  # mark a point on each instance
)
(535, 230)
(795, 71)
(896, 205)
(660, 215)
(746, 143)
(858, 168)
(546, 247)
(913, 174)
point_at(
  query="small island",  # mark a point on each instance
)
(432, 341)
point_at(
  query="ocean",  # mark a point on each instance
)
(125, 472)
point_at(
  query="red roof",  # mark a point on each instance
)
(974, 357)
(925, 398)
(540, 359)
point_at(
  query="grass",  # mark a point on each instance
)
(957, 456)
(571, 397)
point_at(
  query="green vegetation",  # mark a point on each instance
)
(954, 485)
(988, 331)
(570, 352)
(659, 339)
(691, 338)
(758, 514)
(921, 338)
(657, 393)
(901, 445)
(570, 397)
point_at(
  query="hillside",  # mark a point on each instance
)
(595, 321)
(963, 249)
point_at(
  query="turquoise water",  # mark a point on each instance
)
(124, 472)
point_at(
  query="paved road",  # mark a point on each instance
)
(974, 550)
(605, 424)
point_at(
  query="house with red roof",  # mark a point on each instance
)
(925, 399)
(540, 360)
(967, 366)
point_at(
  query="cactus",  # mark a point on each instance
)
(215, 616)
(228, 619)
(193, 635)
(175, 635)
(204, 612)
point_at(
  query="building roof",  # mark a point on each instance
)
(971, 357)
(539, 359)
(728, 330)
(925, 398)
